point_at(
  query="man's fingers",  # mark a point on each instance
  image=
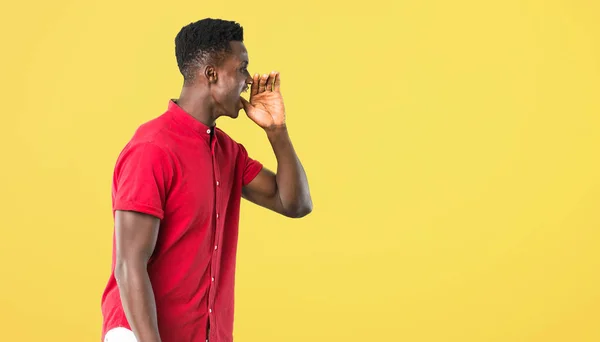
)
(254, 86)
(266, 82)
(262, 85)
(271, 80)
(277, 83)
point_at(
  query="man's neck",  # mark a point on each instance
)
(198, 106)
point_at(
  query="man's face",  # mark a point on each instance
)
(232, 79)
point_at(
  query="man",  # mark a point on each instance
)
(176, 195)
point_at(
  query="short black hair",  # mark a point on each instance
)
(204, 41)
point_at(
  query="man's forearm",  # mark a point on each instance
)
(292, 184)
(137, 298)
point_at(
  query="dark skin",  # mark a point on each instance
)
(214, 92)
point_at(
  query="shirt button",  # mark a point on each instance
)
(217, 183)
(210, 310)
(215, 247)
(213, 279)
(217, 215)
(208, 131)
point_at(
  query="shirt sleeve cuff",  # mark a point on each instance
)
(140, 208)
(251, 173)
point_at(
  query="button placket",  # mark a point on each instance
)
(216, 238)
(214, 268)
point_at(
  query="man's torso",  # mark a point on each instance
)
(193, 266)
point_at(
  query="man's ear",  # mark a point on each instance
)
(210, 72)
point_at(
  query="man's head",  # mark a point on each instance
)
(212, 58)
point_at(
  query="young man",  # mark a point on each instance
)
(177, 189)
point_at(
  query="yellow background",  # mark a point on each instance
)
(451, 148)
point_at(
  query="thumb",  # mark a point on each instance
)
(247, 106)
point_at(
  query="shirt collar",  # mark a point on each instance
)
(184, 118)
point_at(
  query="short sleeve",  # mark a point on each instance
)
(251, 167)
(141, 180)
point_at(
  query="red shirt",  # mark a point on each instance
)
(190, 176)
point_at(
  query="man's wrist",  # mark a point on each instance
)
(277, 131)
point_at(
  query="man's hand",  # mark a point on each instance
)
(265, 107)
(285, 192)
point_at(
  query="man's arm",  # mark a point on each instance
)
(136, 235)
(286, 192)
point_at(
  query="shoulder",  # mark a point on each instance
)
(143, 156)
(147, 148)
(149, 142)
(155, 131)
(144, 162)
(153, 136)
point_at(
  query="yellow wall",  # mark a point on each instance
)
(452, 150)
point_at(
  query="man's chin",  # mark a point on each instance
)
(233, 113)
